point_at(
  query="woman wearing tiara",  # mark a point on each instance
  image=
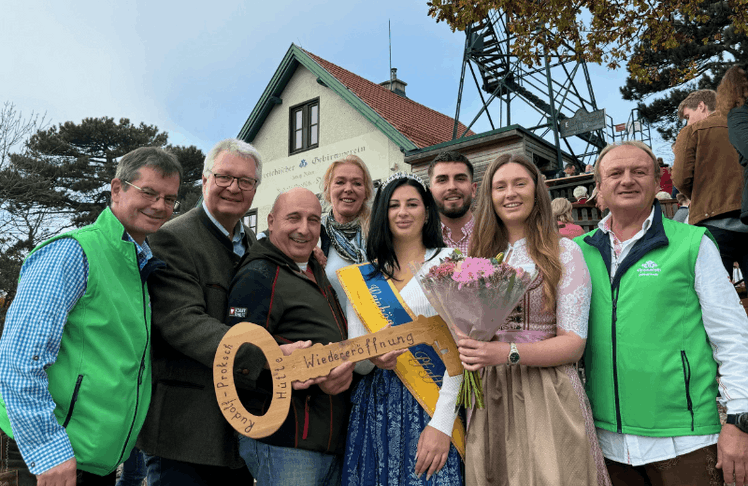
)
(393, 438)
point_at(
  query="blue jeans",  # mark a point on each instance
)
(273, 465)
(133, 469)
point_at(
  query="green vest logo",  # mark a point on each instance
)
(649, 269)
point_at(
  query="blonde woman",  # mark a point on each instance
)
(348, 188)
(561, 208)
(536, 427)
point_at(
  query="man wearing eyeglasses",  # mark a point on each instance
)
(186, 439)
(75, 367)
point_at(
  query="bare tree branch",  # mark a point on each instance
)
(15, 129)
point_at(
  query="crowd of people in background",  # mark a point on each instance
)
(611, 369)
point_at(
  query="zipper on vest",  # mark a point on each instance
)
(140, 372)
(614, 296)
(73, 400)
(687, 379)
(306, 418)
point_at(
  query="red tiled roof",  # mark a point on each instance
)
(421, 125)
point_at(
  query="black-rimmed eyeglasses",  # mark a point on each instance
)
(153, 197)
(245, 183)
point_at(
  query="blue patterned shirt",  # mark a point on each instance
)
(52, 280)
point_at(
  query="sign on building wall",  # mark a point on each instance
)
(307, 169)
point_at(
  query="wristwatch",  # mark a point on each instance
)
(739, 420)
(513, 357)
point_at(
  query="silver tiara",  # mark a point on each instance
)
(403, 175)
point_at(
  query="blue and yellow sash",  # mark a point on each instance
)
(378, 304)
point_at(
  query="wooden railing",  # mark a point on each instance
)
(564, 187)
(587, 215)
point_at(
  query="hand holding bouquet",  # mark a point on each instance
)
(474, 296)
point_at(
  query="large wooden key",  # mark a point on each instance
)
(313, 362)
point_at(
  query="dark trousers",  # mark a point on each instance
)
(696, 468)
(25, 478)
(733, 247)
(168, 472)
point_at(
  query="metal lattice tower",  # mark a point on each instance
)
(553, 93)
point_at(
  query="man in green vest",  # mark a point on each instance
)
(667, 335)
(75, 357)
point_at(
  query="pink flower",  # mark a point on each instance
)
(472, 270)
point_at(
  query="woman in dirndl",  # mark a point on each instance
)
(395, 436)
(536, 427)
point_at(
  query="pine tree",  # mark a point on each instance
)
(68, 168)
(192, 159)
(61, 179)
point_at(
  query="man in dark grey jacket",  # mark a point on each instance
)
(282, 287)
(185, 437)
(737, 123)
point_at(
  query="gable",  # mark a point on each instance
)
(406, 123)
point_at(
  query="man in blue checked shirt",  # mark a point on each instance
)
(75, 365)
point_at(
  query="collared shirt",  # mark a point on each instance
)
(52, 280)
(238, 239)
(726, 326)
(464, 243)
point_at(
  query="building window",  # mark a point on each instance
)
(304, 127)
(250, 220)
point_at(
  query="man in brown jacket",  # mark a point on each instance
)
(185, 437)
(706, 169)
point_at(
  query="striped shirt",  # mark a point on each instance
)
(52, 280)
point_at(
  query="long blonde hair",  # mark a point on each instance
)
(364, 213)
(561, 208)
(490, 235)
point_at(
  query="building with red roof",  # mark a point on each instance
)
(314, 112)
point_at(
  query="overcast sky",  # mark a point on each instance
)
(196, 69)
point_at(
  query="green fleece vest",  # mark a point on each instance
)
(101, 381)
(648, 361)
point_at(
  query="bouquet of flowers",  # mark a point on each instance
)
(474, 295)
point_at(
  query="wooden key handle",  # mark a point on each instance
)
(223, 378)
